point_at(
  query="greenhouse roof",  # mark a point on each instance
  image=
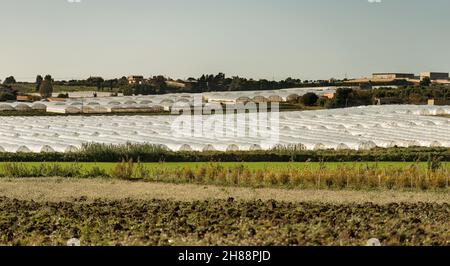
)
(350, 128)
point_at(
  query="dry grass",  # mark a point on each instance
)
(362, 177)
(58, 189)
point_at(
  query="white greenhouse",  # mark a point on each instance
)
(150, 103)
(358, 128)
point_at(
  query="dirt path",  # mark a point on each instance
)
(56, 189)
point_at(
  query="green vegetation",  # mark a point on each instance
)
(309, 99)
(65, 88)
(90, 84)
(31, 88)
(413, 94)
(397, 176)
(7, 94)
(425, 82)
(206, 83)
(220, 222)
(155, 153)
(9, 80)
(85, 166)
(347, 97)
(46, 87)
(39, 80)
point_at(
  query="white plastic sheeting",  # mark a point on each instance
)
(352, 128)
(156, 102)
(269, 95)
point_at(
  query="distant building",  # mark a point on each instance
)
(434, 75)
(401, 79)
(392, 76)
(135, 80)
(328, 95)
(53, 99)
(23, 98)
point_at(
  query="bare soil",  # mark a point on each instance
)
(63, 189)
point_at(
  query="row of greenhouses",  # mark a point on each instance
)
(351, 128)
(157, 103)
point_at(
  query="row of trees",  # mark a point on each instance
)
(347, 97)
(219, 82)
(205, 83)
(210, 83)
(8, 92)
(97, 82)
(351, 97)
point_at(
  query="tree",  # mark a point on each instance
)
(341, 98)
(7, 94)
(111, 84)
(9, 80)
(127, 90)
(46, 88)
(123, 81)
(426, 82)
(220, 77)
(63, 95)
(309, 99)
(96, 81)
(237, 84)
(159, 83)
(39, 80)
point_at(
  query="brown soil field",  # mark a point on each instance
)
(50, 211)
(221, 222)
(63, 189)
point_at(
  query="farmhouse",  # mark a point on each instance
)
(434, 75)
(135, 79)
(392, 76)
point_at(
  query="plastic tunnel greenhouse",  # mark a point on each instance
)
(360, 128)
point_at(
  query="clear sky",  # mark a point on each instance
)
(307, 39)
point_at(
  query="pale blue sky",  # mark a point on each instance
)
(307, 39)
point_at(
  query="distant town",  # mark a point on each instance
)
(432, 77)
